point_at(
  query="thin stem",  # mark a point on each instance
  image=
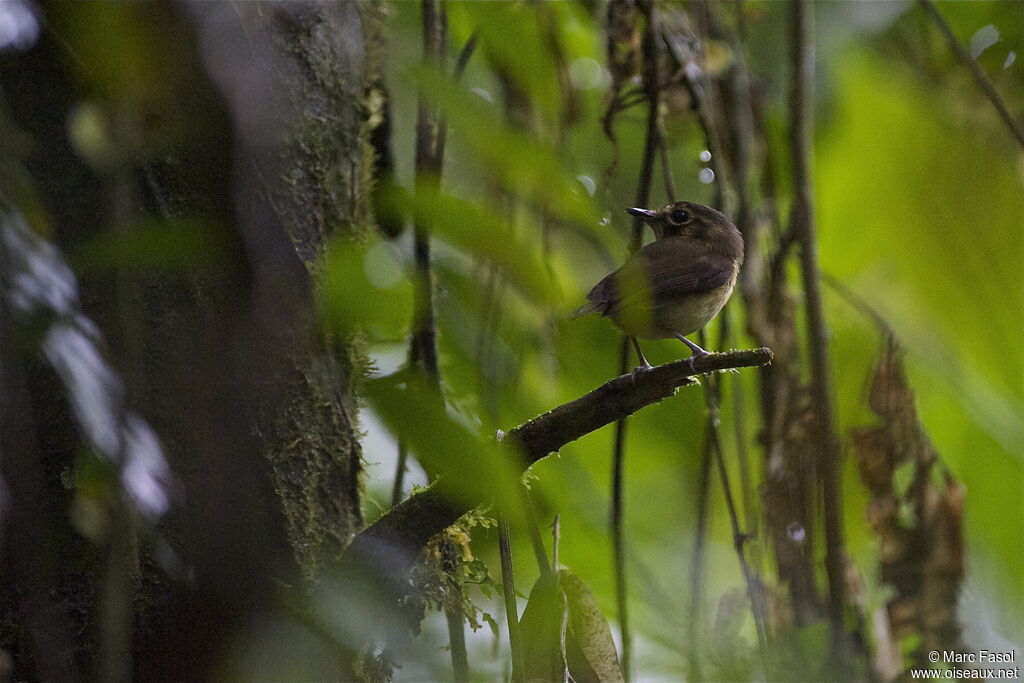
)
(801, 136)
(457, 644)
(702, 112)
(742, 457)
(618, 538)
(556, 537)
(508, 589)
(539, 552)
(697, 559)
(460, 67)
(666, 165)
(859, 304)
(400, 468)
(428, 163)
(643, 192)
(429, 160)
(980, 77)
(739, 538)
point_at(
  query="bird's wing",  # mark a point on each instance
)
(679, 268)
(663, 271)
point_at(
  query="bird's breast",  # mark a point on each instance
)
(688, 314)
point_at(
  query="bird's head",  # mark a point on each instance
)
(693, 221)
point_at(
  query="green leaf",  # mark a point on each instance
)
(485, 232)
(563, 629)
(472, 468)
(363, 287)
(521, 163)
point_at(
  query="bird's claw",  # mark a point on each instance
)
(695, 356)
(640, 369)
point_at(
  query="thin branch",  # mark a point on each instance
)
(859, 304)
(398, 485)
(697, 560)
(801, 135)
(508, 590)
(460, 67)
(738, 537)
(429, 159)
(702, 112)
(666, 165)
(536, 541)
(980, 77)
(643, 193)
(742, 458)
(618, 531)
(428, 162)
(457, 643)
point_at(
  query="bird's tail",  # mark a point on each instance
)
(587, 308)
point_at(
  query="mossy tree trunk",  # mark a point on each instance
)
(249, 120)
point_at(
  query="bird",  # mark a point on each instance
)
(678, 283)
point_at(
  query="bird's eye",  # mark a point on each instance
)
(679, 216)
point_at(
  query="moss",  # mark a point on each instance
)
(333, 53)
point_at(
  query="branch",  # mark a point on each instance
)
(620, 398)
(802, 225)
(651, 80)
(389, 547)
(982, 79)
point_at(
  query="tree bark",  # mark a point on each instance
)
(255, 121)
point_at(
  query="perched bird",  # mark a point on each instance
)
(676, 284)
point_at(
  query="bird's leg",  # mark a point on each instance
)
(697, 351)
(644, 365)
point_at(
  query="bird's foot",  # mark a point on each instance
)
(697, 353)
(640, 369)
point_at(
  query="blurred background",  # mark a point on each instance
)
(274, 276)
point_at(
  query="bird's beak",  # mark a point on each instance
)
(646, 215)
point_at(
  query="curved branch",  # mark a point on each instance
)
(620, 398)
(388, 548)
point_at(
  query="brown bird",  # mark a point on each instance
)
(676, 284)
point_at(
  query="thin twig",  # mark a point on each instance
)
(801, 131)
(741, 125)
(712, 441)
(738, 537)
(643, 192)
(697, 560)
(460, 67)
(428, 163)
(508, 589)
(702, 112)
(430, 148)
(859, 304)
(533, 528)
(742, 457)
(618, 532)
(398, 486)
(430, 140)
(980, 77)
(666, 165)
(457, 644)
